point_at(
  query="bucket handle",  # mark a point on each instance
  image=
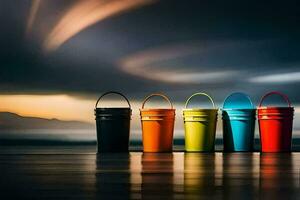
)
(198, 94)
(112, 92)
(285, 97)
(238, 93)
(157, 94)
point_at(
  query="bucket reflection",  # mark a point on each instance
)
(199, 175)
(240, 175)
(277, 176)
(113, 176)
(157, 176)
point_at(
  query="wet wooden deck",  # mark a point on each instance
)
(149, 176)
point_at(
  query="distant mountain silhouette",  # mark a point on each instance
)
(12, 121)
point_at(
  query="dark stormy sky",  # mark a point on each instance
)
(177, 47)
(56, 57)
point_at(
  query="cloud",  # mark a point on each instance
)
(32, 15)
(84, 14)
(147, 64)
(282, 78)
(196, 77)
(169, 46)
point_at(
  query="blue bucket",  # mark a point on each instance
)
(238, 116)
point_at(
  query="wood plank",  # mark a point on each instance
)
(148, 176)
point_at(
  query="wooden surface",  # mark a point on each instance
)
(85, 175)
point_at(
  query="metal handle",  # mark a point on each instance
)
(238, 93)
(157, 94)
(112, 92)
(277, 93)
(200, 93)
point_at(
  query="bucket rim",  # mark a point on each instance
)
(112, 111)
(113, 108)
(238, 113)
(239, 118)
(157, 118)
(152, 117)
(113, 114)
(199, 116)
(275, 113)
(278, 117)
(200, 109)
(238, 109)
(112, 117)
(157, 109)
(199, 120)
(275, 107)
(275, 116)
(226, 114)
(241, 115)
(205, 116)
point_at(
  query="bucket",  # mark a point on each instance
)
(200, 127)
(238, 116)
(113, 127)
(275, 126)
(157, 127)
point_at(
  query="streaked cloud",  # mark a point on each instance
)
(149, 64)
(155, 46)
(159, 54)
(84, 14)
(279, 78)
(35, 4)
(195, 77)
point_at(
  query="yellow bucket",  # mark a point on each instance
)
(200, 127)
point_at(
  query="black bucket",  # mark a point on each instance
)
(113, 127)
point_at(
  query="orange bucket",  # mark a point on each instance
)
(157, 127)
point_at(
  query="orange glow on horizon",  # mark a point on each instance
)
(61, 107)
(69, 108)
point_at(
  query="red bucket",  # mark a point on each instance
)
(275, 126)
